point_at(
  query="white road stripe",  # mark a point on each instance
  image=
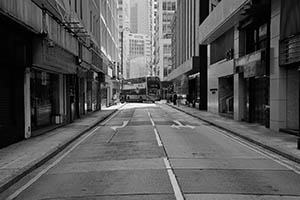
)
(34, 179)
(153, 124)
(159, 143)
(176, 189)
(175, 186)
(157, 138)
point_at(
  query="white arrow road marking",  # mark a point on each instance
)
(179, 125)
(178, 122)
(123, 125)
(189, 126)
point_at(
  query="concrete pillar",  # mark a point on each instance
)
(238, 91)
(64, 98)
(27, 106)
(278, 75)
(238, 81)
(61, 98)
(85, 96)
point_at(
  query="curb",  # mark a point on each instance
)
(39, 162)
(274, 150)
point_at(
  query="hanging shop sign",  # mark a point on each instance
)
(252, 65)
(97, 61)
(289, 51)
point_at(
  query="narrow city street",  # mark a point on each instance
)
(152, 151)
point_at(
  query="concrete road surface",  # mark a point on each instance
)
(151, 151)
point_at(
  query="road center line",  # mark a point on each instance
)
(153, 124)
(159, 143)
(157, 138)
(173, 180)
(176, 188)
(41, 173)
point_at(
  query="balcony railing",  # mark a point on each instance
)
(289, 49)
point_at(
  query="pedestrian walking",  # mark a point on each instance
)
(175, 99)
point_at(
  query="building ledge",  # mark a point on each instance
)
(188, 67)
(221, 19)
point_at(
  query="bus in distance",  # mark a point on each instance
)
(141, 89)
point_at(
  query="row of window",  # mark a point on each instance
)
(169, 5)
(252, 38)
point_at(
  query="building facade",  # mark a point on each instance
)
(109, 42)
(252, 62)
(165, 13)
(189, 59)
(138, 53)
(55, 56)
(124, 26)
(140, 19)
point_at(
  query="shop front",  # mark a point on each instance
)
(16, 56)
(44, 88)
(53, 87)
(256, 87)
(93, 92)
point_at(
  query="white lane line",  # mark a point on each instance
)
(158, 138)
(34, 179)
(259, 151)
(174, 183)
(159, 143)
(149, 114)
(153, 124)
(176, 189)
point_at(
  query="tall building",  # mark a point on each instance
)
(152, 25)
(109, 43)
(138, 51)
(124, 14)
(124, 28)
(189, 59)
(137, 41)
(253, 62)
(165, 13)
(61, 56)
(140, 16)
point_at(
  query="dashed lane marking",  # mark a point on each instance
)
(176, 188)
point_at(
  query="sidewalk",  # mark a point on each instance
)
(281, 143)
(19, 159)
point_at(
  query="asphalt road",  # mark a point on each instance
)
(151, 151)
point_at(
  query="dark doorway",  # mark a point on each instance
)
(256, 100)
(226, 96)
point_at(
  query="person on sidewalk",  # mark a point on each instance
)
(175, 99)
